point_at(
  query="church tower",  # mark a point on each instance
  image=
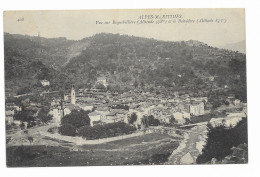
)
(73, 96)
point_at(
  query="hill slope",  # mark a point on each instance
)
(128, 62)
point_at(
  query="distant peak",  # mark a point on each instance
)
(195, 43)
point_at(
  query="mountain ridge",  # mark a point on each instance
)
(127, 62)
(237, 46)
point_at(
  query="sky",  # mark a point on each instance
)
(78, 24)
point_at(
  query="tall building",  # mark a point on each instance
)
(73, 96)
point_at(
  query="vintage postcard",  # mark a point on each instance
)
(125, 87)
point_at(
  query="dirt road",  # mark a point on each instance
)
(190, 147)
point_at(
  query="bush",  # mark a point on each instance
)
(150, 121)
(133, 118)
(104, 131)
(155, 122)
(221, 140)
(76, 118)
(67, 129)
(31, 124)
(53, 130)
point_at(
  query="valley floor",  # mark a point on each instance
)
(152, 148)
(147, 149)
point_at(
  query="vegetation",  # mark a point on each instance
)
(25, 115)
(133, 118)
(137, 153)
(221, 140)
(44, 116)
(239, 155)
(67, 129)
(76, 118)
(150, 121)
(144, 63)
(105, 131)
(17, 156)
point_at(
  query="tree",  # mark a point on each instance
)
(76, 118)
(172, 120)
(44, 116)
(136, 84)
(133, 118)
(67, 129)
(152, 121)
(24, 116)
(187, 121)
(104, 131)
(221, 140)
(145, 121)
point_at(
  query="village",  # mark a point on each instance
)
(110, 107)
(115, 119)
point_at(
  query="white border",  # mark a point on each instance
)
(253, 61)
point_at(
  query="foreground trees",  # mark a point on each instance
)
(76, 118)
(44, 116)
(73, 121)
(150, 121)
(133, 118)
(221, 142)
(78, 123)
(105, 131)
(67, 129)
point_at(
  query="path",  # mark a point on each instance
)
(190, 147)
(20, 138)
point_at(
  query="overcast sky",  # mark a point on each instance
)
(79, 24)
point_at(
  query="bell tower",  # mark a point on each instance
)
(73, 95)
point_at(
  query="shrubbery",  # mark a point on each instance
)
(53, 130)
(150, 121)
(78, 123)
(221, 140)
(133, 118)
(76, 118)
(67, 129)
(104, 131)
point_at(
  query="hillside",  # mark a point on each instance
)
(29, 59)
(53, 52)
(128, 62)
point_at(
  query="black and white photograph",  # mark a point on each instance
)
(125, 87)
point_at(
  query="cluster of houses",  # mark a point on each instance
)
(109, 107)
(10, 110)
(106, 107)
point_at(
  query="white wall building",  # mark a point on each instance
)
(196, 108)
(94, 117)
(237, 102)
(56, 114)
(178, 116)
(102, 80)
(45, 83)
(9, 116)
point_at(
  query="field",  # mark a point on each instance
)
(152, 148)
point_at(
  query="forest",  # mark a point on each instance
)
(128, 62)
